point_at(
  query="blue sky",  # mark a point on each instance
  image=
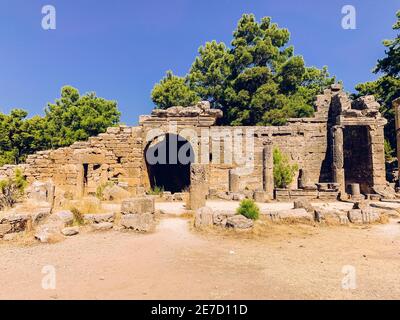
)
(121, 48)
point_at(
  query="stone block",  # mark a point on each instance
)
(239, 222)
(65, 217)
(197, 196)
(305, 204)
(331, 216)
(14, 223)
(299, 214)
(138, 222)
(102, 226)
(204, 217)
(221, 216)
(115, 193)
(358, 216)
(99, 218)
(70, 231)
(260, 196)
(139, 205)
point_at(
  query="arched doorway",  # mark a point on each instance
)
(168, 160)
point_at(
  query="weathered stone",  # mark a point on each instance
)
(5, 228)
(220, 217)
(14, 223)
(268, 169)
(167, 196)
(363, 205)
(317, 145)
(299, 214)
(70, 231)
(178, 196)
(40, 214)
(48, 233)
(305, 204)
(102, 226)
(239, 222)
(99, 217)
(224, 195)
(248, 194)
(331, 216)
(41, 191)
(198, 187)
(65, 217)
(138, 206)
(359, 216)
(260, 196)
(238, 196)
(115, 193)
(12, 236)
(203, 217)
(138, 222)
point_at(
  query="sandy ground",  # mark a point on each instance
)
(175, 262)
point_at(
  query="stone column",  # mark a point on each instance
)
(338, 158)
(198, 186)
(376, 139)
(268, 170)
(396, 106)
(234, 181)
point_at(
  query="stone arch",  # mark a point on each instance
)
(168, 158)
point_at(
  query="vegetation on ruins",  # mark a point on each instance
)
(12, 189)
(70, 118)
(79, 219)
(156, 191)
(249, 209)
(100, 189)
(387, 87)
(284, 172)
(258, 80)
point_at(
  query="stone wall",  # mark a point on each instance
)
(79, 169)
(7, 171)
(314, 144)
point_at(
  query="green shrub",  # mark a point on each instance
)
(12, 189)
(156, 191)
(284, 172)
(249, 209)
(389, 151)
(100, 189)
(78, 217)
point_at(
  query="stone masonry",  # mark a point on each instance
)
(342, 144)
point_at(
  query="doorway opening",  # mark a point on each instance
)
(357, 157)
(168, 160)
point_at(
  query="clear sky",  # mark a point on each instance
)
(121, 48)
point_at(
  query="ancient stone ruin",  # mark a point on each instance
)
(339, 151)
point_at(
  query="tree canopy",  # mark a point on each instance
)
(387, 87)
(258, 80)
(71, 118)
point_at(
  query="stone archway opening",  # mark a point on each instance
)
(358, 157)
(168, 160)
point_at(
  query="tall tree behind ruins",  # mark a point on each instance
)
(258, 80)
(387, 87)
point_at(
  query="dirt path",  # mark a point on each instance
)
(176, 263)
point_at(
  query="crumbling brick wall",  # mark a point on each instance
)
(118, 154)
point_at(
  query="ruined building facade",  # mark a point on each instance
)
(343, 144)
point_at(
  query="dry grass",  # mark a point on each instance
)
(85, 206)
(383, 218)
(78, 217)
(263, 228)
